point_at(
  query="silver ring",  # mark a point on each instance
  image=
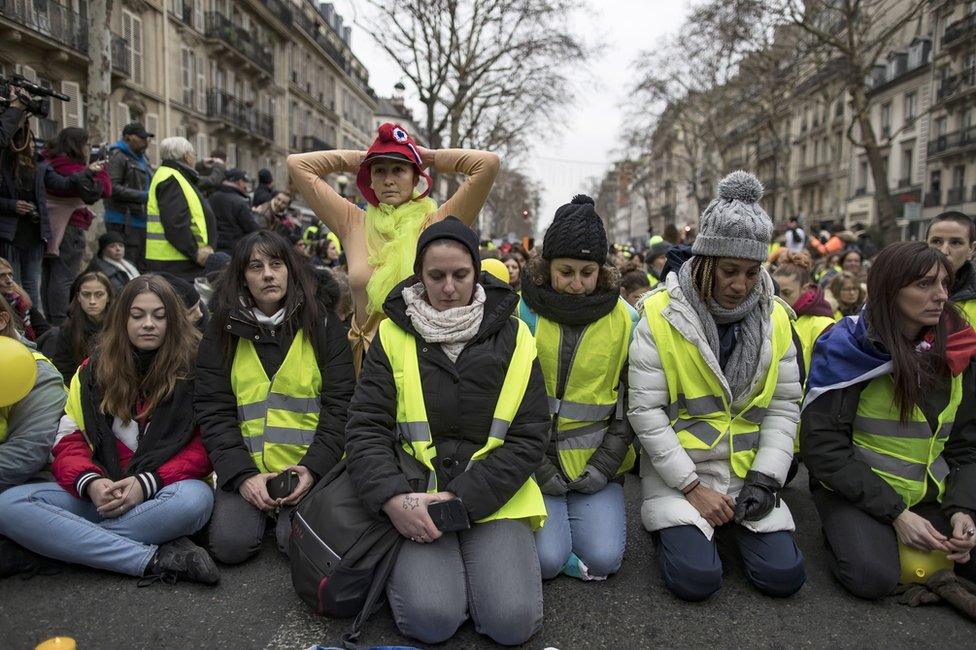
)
(413, 539)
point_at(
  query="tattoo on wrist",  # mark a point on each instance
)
(411, 503)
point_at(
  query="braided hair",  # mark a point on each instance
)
(703, 275)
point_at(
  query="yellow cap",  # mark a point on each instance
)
(58, 643)
(497, 268)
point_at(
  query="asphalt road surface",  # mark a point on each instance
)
(254, 606)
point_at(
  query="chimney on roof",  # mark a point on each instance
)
(398, 90)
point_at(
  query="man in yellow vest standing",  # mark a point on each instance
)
(714, 391)
(181, 230)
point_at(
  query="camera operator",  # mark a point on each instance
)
(24, 225)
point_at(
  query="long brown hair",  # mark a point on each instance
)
(115, 366)
(914, 373)
(10, 331)
(75, 324)
(837, 286)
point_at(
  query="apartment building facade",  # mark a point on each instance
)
(256, 79)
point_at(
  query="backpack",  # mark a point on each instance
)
(341, 555)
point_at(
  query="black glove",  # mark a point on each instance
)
(550, 480)
(590, 481)
(757, 498)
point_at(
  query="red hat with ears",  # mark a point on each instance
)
(392, 142)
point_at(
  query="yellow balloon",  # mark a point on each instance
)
(19, 371)
(496, 268)
(57, 643)
(918, 566)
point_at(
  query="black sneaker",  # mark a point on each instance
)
(15, 559)
(183, 560)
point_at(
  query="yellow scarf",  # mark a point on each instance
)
(391, 243)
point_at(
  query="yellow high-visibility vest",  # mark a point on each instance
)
(278, 416)
(700, 412)
(907, 455)
(158, 247)
(414, 431)
(590, 395)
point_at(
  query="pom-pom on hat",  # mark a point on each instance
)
(734, 224)
(577, 232)
(392, 142)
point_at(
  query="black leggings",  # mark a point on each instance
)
(863, 551)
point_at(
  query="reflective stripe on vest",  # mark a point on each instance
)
(278, 417)
(699, 409)
(414, 430)
(905, 454)
(590, 396)
(158, 247)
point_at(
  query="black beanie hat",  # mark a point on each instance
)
(264, 176)
(577, 232)
(110, 237)
(449, 228)
(185, 290)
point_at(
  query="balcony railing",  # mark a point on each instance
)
(311, 143)
(959, 29)
(955, 195)
(52, 20)
(220, 27)
(121, 56)
(278, 8)
(956, 83)
(952, 141)
(814, 173)
(223, 105)
(331, 50)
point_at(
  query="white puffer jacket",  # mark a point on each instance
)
(666, 467)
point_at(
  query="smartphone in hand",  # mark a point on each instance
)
(283, 485)
(449, 516)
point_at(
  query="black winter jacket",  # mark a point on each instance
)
(460, 399)
(174, 214)
(216, 406)
(827, 426)
(10, 121)
(964, 284)
(117, 276)
(232, 210)
(129, 184)
(262, 194)
(65, 358)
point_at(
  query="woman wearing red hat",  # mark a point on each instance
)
(380, 241)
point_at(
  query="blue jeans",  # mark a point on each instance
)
(44, 518)
(27, 268)
(591, 526)
(692, 569)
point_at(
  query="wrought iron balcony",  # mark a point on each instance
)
(959, 29)
(221, 28)
(279, 9)
(121, 56)
(222, 105)
(44, 17)
(950, 142)
(312, 143)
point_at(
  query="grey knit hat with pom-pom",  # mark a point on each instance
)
(577, 232)
(734, 224)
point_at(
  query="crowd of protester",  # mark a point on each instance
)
(215, 360)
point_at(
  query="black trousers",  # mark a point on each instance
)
(863, 551)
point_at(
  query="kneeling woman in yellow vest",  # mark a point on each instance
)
(274, 380)
(28, 423)
(714, 392)
(454, 380)
(181, 230)
(889, 426)
(128, 461)
(582, 330)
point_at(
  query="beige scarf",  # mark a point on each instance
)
(452, 328)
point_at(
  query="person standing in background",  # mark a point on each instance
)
(130, 173)
(265, 190)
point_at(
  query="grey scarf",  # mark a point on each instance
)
(751, 316)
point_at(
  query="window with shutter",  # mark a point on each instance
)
(132, 32)
(231, 154)
(201, 86)
(201, 146)
(152, 125)
(122, 116)
(186, 75)
(198, 15)
(72, 108)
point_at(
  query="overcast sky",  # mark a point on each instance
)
(573, 150)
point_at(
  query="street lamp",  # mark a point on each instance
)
(343, 181)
